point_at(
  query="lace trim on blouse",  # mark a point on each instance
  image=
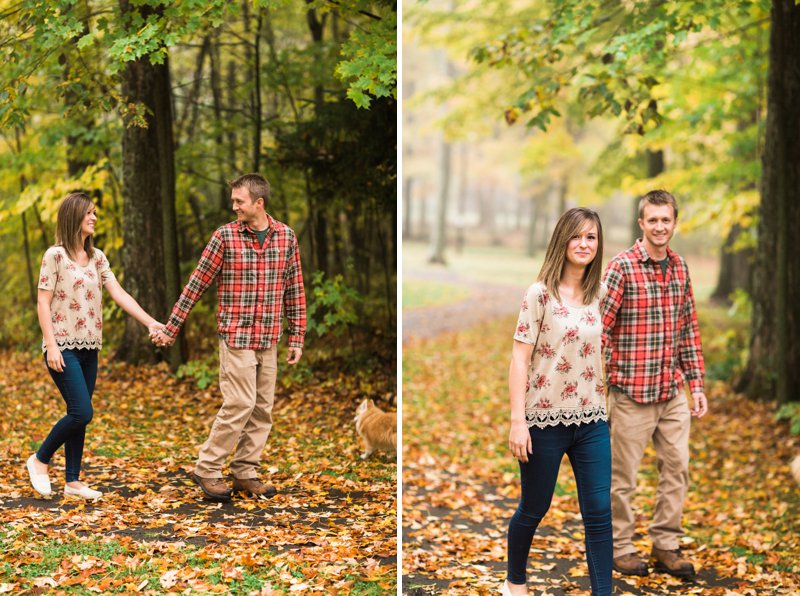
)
(552, 416)
(68, 343)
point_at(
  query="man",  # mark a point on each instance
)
(650, 329)
(256, 261)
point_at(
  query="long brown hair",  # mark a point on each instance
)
(68, 224)
(568, 226)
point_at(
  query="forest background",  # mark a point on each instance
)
(514, 112)
(152, 107)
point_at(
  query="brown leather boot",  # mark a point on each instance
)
(630, 564)
(214, 488)
(672, 562)
(253, 487)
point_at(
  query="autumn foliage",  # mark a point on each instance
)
(330, 530)
(461, 485)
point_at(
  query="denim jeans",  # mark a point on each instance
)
(589, 450)
(76, 385)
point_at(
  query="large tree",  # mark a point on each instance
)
(633, 60)
(774, 366)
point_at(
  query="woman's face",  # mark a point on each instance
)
(582, 247)
(87, 225)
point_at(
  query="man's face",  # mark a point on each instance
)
(657, 224)
(245, 208)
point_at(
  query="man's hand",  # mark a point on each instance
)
(700, 406)
(294, 355)
(161, 339)
(154, 328)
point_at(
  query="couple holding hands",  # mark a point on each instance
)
(256, 262)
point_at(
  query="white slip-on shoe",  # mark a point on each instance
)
(40, 482)
(83, 492)
(504, 589)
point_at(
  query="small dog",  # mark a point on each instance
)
(796, 468)
(376, 427)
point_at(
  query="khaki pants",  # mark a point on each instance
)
(632, 426)
(247, 382)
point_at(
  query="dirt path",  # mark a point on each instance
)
(457, 499)
(485, 302)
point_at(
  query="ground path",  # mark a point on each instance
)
(485, 301)
(460, 487)
(330, 529)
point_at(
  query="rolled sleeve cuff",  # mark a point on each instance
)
(296, 340)
(171, 328)
(696, 385)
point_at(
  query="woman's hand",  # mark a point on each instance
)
(519, 441)
(54, 358)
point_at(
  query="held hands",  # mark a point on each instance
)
(519, 441)
(157, 335)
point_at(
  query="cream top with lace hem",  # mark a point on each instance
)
(76, 308)
(565, 384)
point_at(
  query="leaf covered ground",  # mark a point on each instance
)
(460, 486)
(330, 530)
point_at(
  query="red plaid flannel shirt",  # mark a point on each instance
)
(650, 327)
(254, 284)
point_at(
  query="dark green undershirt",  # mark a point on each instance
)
(261, 235)
(664, 264)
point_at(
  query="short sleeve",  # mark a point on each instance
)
(603, 291)
(48, 274)
(103, 267)
(530, 314)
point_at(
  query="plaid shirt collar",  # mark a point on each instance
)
(245, 228)
(642, 255)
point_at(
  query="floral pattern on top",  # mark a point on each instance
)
(76, 309)
(564, 384)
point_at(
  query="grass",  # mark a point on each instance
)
(503, 265)
(492, 264)
(421, 294)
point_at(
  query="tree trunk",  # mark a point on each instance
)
(316, 26)
(735, 268)
(774, 366)
(216, 94)
(563, 193)
(439, 231)
(28, 260)
(408, 185)
(163, 123)
(538, 206)
(655, 166)
(142, 230)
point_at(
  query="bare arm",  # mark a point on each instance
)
(54, 358)
(519, 439)
(130, 306)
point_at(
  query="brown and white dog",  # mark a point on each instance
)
(376, 427)
(795, 466)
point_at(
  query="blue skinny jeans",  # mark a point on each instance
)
(588, 447)
(76, 385)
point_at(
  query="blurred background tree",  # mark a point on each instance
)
(601, 102)
(152, 107)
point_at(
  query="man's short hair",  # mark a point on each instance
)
(256, 185)
(658, 197)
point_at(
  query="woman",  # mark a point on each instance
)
(70, 312)
(557, 397)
